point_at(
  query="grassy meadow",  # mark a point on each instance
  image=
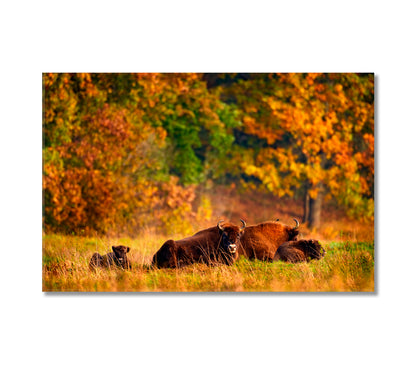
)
(347, 266)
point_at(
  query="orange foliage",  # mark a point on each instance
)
(316, 130)
(119, 149)
(123, 151)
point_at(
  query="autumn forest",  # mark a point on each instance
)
(126, 151)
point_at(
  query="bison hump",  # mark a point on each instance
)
(166, 255)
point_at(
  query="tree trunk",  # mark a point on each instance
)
(306, 206)
(315, 211)
(312, 209)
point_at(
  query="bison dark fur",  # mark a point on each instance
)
(261, 241)
(215, 245)
(300, 250)
(116, 258)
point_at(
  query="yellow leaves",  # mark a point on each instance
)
(333, 145)
(249, 121)
(299, 119)
(331, 118)
(267, 173)
(333, 184)
(369, 139)
(298, 103)
(314, 148)
(314, 178)
(313, 193)
(359, 157)
(365, 188)
(308, 128)
(274, 105)
(251, 170)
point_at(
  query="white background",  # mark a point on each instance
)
(183, 333)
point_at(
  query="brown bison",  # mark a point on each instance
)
(261, 241)
(300, 250)
(215, 245)
(116, 258)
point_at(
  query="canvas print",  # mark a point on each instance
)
(208, 182)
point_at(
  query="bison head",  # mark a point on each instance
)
(230, 236)
(294, 231)
(120, 252)
(314, 249)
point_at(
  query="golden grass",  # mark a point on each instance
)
(348, 266)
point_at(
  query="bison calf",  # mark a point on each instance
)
(117, 258)
(299, 250)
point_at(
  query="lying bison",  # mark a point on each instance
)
(300, 250)
(261, 241)
(211, 246)
(117, 258)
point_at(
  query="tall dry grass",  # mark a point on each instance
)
(348, 266)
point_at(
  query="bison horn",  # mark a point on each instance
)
(244, 224)
(297, 223)
(219, 225)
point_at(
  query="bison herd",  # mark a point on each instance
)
(223, 244)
